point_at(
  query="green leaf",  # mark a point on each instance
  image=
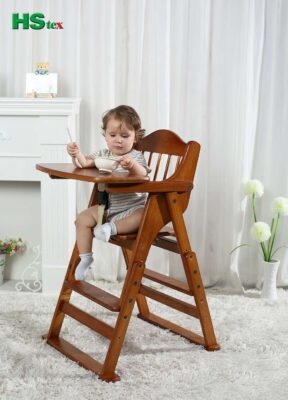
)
(241, 245)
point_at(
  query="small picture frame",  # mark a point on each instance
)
(41, 85)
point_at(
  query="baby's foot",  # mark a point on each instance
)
(84, 264)
(104, 232)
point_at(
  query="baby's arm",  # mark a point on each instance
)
(78, 158)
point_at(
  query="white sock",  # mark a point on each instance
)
(103, 232)
(84, 264)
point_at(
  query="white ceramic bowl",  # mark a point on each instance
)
(106, 164)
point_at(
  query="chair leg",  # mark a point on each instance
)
(135, 260)
(127, 305)
(141, 300)
(192, 271)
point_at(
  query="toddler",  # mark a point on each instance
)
(122, 129)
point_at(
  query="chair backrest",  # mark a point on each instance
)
(169, 156)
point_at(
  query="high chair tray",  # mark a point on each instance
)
(69, 171)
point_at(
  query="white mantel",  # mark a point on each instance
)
(35, 131)
(25, 106)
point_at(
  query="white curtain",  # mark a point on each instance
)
(212, 70)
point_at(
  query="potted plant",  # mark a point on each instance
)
(9, 246)
(265, 235)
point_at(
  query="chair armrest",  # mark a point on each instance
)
(151, 187)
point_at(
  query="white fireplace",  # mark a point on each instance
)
(35, 131)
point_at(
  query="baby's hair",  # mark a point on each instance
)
(126, 115)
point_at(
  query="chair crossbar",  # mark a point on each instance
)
(167, 281)
(86, 319)
(95, 294)
(167, 243)
(170, 301)
(179, 330)
(83, 359)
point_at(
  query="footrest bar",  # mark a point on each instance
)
(170, 301)
(165, 324)
(167, 281)
(95, 294)
(87, 319)
(80, 357)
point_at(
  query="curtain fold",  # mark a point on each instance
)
(214, 71)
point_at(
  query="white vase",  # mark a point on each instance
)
(270, 269)
(2, 267)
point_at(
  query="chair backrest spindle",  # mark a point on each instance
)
(157, 166)
(150, 158)
(167, 166)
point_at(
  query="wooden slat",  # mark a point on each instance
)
(167, 166)
(88, 320)
(150, 159)
(170, 301)
(95, 294)
(80, 357)
(163, 323)
(157, 166)
(167, 281)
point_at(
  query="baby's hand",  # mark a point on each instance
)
(127, 162)
(72, 149)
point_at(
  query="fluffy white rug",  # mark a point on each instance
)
(154, 364)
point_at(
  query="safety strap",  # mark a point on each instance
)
(102, 202)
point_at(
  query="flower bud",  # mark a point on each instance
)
(254, 187)
(280, 205)
(260, 231)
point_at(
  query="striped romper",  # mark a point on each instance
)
(121, 205)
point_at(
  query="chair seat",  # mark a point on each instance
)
(166, 231)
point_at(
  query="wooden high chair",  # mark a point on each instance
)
(168, 199)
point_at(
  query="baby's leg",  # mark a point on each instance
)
(125, 225)
(131, 223)
(85, 221)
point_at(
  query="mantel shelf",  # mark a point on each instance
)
(39, 106)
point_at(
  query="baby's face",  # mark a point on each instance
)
(118, 137)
